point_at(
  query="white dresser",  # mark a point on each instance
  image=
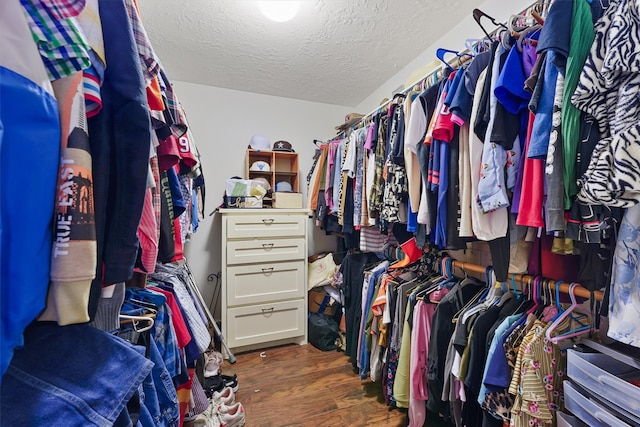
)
(264, 277)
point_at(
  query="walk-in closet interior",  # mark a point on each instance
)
(320, 212)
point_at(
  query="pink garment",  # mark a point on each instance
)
(443, 127)
(418, 368)
(457, 119)
(147, 235)
(531, 198)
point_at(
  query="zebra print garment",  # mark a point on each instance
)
(609, 90)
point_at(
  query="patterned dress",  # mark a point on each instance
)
(624, 305)
(537, 381)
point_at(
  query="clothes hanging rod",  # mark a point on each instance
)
(407, 89)
(526, 278)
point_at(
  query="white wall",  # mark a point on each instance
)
(454, 40)
(223, 121)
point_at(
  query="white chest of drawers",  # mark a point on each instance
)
(264, 277)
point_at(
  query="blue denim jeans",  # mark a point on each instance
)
(72, 375)
(162, 329)
(158, 400)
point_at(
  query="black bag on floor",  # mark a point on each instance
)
(323, 331)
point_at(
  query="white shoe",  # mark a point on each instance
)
(225, 397)
(207, 419)
(231, 416)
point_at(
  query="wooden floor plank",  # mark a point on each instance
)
(297, 385)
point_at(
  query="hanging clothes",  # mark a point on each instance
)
(27, 97)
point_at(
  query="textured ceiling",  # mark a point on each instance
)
(334, 51)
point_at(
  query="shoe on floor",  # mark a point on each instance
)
(225, 397)
(230, 381)
(213, 363)
(213, 384)
(208, 418)
(231, 416)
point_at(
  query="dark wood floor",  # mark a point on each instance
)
(302, 386)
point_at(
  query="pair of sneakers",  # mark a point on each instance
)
(223, 411)
(231, 415)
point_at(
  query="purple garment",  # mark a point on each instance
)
(369, 142)
(331, 164)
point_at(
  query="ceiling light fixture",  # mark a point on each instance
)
(279, 10)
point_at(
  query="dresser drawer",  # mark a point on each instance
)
(265, 322)
(267, 225)
(264, 250)
(259, 283)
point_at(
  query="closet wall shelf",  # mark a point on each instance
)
(525, 278)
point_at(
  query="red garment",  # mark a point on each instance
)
(543, 262)
(148, 236)
(530, 210)
(178, 248)
(443, 127)
(168, 153)
(173, 151)
(185, 151)
(182, 332)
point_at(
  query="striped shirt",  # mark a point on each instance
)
(149, 62)
(178, 127)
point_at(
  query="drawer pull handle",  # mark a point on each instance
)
(267, 245)
(267, 310)
(268, 221)
(267, 270)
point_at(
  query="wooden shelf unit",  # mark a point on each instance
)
(283, 164)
